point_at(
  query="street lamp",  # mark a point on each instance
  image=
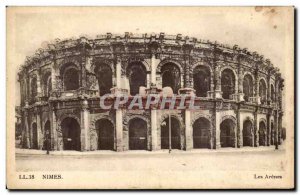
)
(170, 140)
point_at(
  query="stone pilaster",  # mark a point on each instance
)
(256, 129)
(239, 135)
(118, 73)
(154, 130)
(27, 131)
(268, 89)
(119, 130)
(188, 130)
(53, 132)
(256, 98)
(215, 91)
(280, 129)
(148, 82)
(268, 130)
(85, 144)
(240, 94)
(276, 129)
(53, 78)
(40, 137)
(153, 69)
(84, 60)
(218, 130)
(39, 87)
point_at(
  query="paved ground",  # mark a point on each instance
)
(262, 158)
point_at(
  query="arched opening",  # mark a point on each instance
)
(171, 77)
(262, 133)
(263, 91)
(247, 133)
(201, 79)
(201, 128)
(272, 93)
(71, 134)
(71, 78)
(137, 75)
(104, 76)
(175, 133)
(272, 134)
(34, 136)
(33, 89)
(137, 134)
(227, 133)
(247, 87)
(47, 136)
(227, 83)
(105, 132)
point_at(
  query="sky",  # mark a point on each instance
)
(266, 30)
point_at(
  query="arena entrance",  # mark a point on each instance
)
(34, 136)
(105, 132)
(71, 134)
(227, 133)
(137, 134)
(175, 134)
(262, 134)
(247, 133)
(201, 133)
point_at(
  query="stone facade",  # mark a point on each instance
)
(239, 94)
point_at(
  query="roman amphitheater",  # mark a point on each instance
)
(239, 94)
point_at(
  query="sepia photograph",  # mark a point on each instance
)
(150, 97)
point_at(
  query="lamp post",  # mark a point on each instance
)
(170, 140)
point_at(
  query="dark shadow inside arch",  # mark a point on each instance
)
(247, 87)
(262, 134)
(104, 76)
(47, 84)
(137, 134)
(105, 132)
(272, 134)
(227, 133)
(34, 136)
(227, 83)
(201, 136)
(70, 76)
(247, 133)
(263, 91)
(71, 134)
(201, 79)
(137, 75)
(175, 133)
(170, 74)
(33, 89)
(47, 136)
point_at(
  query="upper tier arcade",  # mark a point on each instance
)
(145, 63)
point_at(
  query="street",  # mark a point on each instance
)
(244, 159)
